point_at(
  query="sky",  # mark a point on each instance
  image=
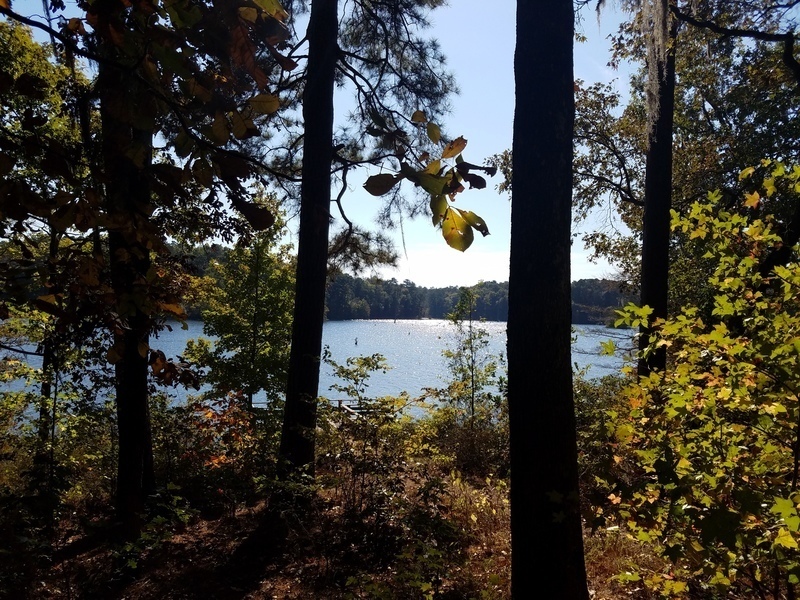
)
(479, 46)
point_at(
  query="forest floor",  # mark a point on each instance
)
(260, 553)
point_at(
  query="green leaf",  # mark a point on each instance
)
(418, 117)
(608, 348)
(438, 208)
(475, 222)
(720, 525)
(380, 184)
(433, 184)
(434, 133)
(787, 510)
(455, 230)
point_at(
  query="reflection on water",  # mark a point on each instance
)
(413, 350)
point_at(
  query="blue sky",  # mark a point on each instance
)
(478, 40)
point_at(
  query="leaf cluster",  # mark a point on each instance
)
(710, 445)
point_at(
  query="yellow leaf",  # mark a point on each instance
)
(433, 167)
(264, 103)
(454, 148)
(455, 230)
(785, 539)
(173, 309)
(769, 186)
(746, 173)
(274, 9)
(752, 200)
(418, 117)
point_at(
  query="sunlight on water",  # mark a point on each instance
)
(413, 351)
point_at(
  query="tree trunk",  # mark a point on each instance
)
(657, 204)
(128, 197)
(546, 533)
(300, 416)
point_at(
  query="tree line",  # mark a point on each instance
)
(593, 300)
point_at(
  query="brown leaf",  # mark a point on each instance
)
(243, 54)
(454, 148)
(286, 63)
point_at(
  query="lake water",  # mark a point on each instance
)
(413, 351)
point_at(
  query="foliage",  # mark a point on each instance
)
(594, 300)
(442, 182)
(214, 453)
(247, 300)
(711, 444)
(387, 480)
(472, 421)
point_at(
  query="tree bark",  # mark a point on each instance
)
(657, 204)
(300, 416)
(546, 532)
(128, 200)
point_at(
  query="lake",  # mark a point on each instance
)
(413, 350)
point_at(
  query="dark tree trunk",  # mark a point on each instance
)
(300, 416)
(128, 197)
(546, 533)
(657, 204)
